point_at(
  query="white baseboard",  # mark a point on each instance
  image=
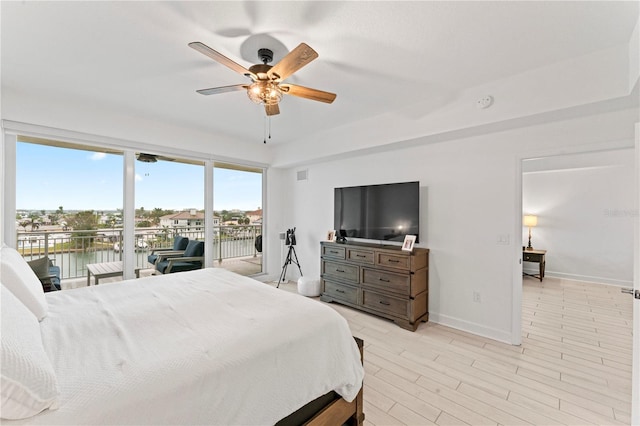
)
(503, 336)
(577, 277)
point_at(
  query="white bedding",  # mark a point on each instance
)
(200, 347)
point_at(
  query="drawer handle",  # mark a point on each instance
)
(360, 255)
(333, 251)
(339, 270)
(339, 291)
(383, 280)
(382, 302)
(393, 261)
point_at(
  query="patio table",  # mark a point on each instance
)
(106, 270)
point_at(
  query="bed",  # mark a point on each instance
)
(200, 347)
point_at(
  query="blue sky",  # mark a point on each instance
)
(49, 177)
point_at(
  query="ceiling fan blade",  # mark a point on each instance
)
(296, 59)
(308, 93)
(272, 109)
(222, 89)
(219, 57)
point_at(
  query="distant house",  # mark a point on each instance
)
(186, 219)
(255, 217)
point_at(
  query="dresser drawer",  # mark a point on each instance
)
(386, 304)
(362, 256)
(388, 281)
(393, 261)
(532, 257)
(339, 291)
(333, 251)
(340, 271)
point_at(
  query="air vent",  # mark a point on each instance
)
(303, 174)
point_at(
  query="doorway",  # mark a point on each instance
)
(585, 205)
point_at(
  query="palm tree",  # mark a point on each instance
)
(33, 221)
(156, 214)
(54, 218)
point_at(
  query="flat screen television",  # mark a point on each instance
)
(378, 212)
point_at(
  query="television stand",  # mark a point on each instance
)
(382, 280)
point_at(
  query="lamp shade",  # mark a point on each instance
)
(530, 220)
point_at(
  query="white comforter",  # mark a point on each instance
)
(201, 347)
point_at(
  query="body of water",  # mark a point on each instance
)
(74, 264)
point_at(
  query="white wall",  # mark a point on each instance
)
(585, 209)
(556, 89)
(471, 196)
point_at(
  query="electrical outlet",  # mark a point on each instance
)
(476, 297)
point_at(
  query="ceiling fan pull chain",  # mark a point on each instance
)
(269, 127)
(265, 130)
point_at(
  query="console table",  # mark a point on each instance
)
(536, 256)
(382, 280)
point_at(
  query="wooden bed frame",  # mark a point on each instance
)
(330, 408)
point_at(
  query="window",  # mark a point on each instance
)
(68, 202)
(69, 206)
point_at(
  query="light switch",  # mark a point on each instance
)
(503, 239)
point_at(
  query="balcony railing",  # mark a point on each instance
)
(73, 250)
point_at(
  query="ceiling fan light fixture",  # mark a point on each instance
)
(264, 92)
(265, 88)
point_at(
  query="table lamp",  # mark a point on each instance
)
(530, 221)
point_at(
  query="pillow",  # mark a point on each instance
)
(40, 267)
(18, 277)
(28, 383)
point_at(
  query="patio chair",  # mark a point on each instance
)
(47, 273)
(179, 245)
(191, 259)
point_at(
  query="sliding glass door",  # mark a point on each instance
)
(237, 204)
(169, 200)
(69, 207)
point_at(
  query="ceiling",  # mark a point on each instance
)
(377, 56)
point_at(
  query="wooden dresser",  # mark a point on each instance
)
(382, 280)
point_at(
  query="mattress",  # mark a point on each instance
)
(201, 347)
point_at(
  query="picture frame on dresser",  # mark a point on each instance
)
(331, 235)
(409, 241)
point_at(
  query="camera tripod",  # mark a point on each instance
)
(289, 260)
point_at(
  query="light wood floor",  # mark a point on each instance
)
(573, 367)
